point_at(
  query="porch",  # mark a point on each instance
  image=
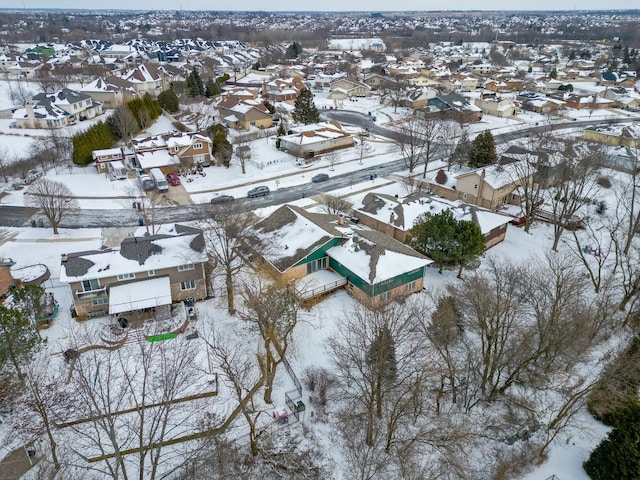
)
(316, 284)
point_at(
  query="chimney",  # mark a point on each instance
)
(340, 219)
(392, 217)
(64, 258)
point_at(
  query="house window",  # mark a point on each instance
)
(89, 285)
(409, 287)
(464, 196)
(475, 187)
(198, 158)
(151, 273)
(384, 296)
(188, 285)
(100, 301)
(126, 276)
(197, 146)
(319, 264)
(188, 266)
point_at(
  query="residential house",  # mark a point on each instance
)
(488, 187)
(110, 91)
(452, 106)
(317, 253)
(417, 97)
(627, 135)
(310, 140)
(57, 110)
(6, 280)
(146, 78)
(171, 151)
(102, 158)
(244, 114)
(147, 272)
(396, 217)
(283, 89)
(498, 107)
(344, 88)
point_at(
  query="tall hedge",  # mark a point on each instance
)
(96, 137)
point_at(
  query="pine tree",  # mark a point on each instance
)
(19, 338)
(447, 241)
(305, 110)
(483, 150)
(195, 84)
(221, 148)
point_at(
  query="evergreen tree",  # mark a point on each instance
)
(195, 84)
(211, 88)
(19, 338)
(168, 101)
(305, 110)
(221, 148)
(293, 50)
(483, 150)
(618, 455)
(447, 241)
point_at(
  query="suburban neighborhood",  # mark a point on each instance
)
(319, 245)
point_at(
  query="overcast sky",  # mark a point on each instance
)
(326, 5)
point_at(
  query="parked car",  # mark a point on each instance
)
(221, 199)
(173, 179)
(260, 191)
(147, 182)
(321, 177)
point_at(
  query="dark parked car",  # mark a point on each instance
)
(260, 191)
(221, 199)
(321, 177)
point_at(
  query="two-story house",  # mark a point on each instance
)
(146, 78)
(148, 272)
(57, 110)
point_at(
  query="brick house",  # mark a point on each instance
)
(144, 272)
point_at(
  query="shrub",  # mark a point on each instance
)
(604, 182)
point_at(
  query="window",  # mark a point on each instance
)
(199, 158)
(151, 273)
(126, 276)
(88, 285)
(100, 301)
(384, 296)
(475, 187)
(409, 287)
(464, 196)
(315, 265)
(188, 285)
(197, 146)
(188, 266)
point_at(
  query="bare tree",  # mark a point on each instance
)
(332, 159)
(450, 135)
(419, 139)
(243, 376)
(225, 235)
(394, 91)
(148, 204)
(574, 187)
(19, 93)
(274, 311)
(381, 370)
(243, 152)
(334, 205)
(126, 412)
(45, 81)
(527, 174)
(42, 403)
(5, 160)
(54, 199)
(124, 122)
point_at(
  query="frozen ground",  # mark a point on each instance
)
(277, 170)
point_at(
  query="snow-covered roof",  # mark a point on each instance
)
(375, 257)
(156, 158)
(138, 295)
(135, 254)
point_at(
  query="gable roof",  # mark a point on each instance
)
(136, 254)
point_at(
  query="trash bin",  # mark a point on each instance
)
(140, 222)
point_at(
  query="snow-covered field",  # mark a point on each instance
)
(277, 170)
